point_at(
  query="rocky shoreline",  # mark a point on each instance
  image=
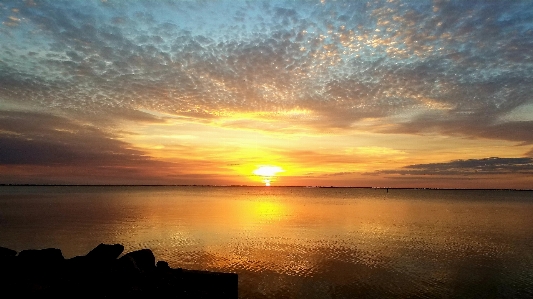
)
(104, 273)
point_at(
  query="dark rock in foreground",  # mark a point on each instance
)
(99, 274)
(106, 252)
(6, 252)
(143, 259)
(50, 256)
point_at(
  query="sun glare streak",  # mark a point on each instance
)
(268, 173)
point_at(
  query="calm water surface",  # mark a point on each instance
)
(297, 242)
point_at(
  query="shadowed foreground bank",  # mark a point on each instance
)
(101, 274)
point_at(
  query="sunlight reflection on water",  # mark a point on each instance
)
(297, 242)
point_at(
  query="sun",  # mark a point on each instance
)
(267, 170)
(267, 173)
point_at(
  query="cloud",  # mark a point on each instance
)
(43, 148)
(344, 62)
(471, 126)
(56, 141)
(310, 158)
(486, 166)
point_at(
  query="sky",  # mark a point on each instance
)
(435, 94)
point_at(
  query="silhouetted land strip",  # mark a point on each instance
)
(101, 273)
(261, 186)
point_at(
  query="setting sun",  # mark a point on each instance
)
(267, 173)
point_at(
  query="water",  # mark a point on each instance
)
(297, 242)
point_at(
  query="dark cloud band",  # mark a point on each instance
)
(487, 166)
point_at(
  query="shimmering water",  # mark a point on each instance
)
(297, 242)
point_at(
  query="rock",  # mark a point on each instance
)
(7, 265)
(204, 284)
(37, 270)
(46, 274)
(46, 256)
(162, 265)
(6, 252)
(144, 259)
(106, 252)
(128, 266)
(80, 266)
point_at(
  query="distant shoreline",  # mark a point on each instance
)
(260, 186)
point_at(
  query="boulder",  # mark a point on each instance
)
(162, 265)
(106, 252)
(41, 256)
(7, 264)
(6, 252)
(144, 259)
(127, 267)
(38, 267)
(80, 266)
(46, 274)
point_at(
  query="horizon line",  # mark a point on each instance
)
(262, 186)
